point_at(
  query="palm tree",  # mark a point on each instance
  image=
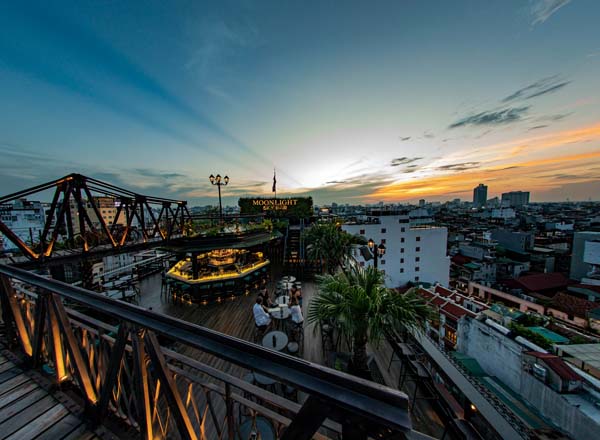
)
(329, 244)
(363, 308)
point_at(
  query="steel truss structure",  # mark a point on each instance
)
(75, 200)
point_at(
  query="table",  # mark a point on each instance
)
(275, 340)
(262, 429)
(283, 299)
(280, 312)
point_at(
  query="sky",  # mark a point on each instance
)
(350, 101)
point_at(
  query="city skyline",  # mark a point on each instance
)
(392, 103)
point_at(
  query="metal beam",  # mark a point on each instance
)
(308, 420)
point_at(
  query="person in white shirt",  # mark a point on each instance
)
(261, 317)
(296, 311)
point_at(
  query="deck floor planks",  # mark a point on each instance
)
(27, 411)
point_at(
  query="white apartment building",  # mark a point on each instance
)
(24, 218)
(413, 253)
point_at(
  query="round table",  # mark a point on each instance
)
(263, 380)
(288, 279)
(283, 299)
(263, 430)
(287, 285)
(275, 340)
(281, 313)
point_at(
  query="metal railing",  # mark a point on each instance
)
(497, 404)
(110, 351)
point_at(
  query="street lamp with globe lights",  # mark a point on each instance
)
(376, 251)
(218, 181)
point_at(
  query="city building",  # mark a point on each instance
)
(516, 199)
(25, 219)
(480, 196)
(414, 254)
(585, 260)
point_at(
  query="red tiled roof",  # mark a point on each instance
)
(556, 364)
(543, 281)
(460, 259)
(456, 310)
(573, 305)
(443, 291)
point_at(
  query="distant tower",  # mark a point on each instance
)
(480, 195)
(421, 203)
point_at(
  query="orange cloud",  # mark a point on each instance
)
(525, 175)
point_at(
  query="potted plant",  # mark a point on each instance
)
(361, 307)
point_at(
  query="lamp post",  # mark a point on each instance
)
(376, 251)
(218, 181)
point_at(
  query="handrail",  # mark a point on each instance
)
(361, 398)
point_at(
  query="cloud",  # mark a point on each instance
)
(404, 139)
(542, 87)
(428, 135)
(459, 166)
(494, 117)
(542, 10)
(537, 127)
(404, 161)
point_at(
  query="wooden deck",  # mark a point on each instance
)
(28, 411)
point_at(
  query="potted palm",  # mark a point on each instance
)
(362, 308)
(330, 245)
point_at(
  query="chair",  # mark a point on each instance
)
(259, 332)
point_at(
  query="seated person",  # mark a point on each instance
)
(261, 315)
(296, 311)
(266, 299)
(296, 293)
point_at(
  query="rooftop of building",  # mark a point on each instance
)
(556, 364)
(587, 353)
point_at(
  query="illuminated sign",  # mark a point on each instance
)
(274, 204)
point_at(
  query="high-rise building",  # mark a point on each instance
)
(515, 198)
(480, 195)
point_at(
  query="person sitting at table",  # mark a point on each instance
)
(266, 299)
(296, 311)
(261, 315)
(296, 293)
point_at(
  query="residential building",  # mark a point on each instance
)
(480, 196)
(514, 240)
(516, 199)
(414, 254)
(25, 219)
(585, 260)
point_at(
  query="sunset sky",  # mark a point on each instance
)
(351, 101)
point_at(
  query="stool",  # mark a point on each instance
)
(293, 347)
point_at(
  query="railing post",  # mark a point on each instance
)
(41, 303)
(114, 366)
(14, 315)
(229, 409)
(142, 391)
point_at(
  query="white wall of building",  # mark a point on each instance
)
(413, 254)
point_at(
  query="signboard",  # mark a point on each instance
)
(297, 207)
(274, 204)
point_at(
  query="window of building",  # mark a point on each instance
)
(401, 260)
(401, 250)
(382, 261)
(418, 249)
(418, 238)
(451, 336)
(401, 270)
(383, 241)
(383, 230)
(417, 259)
(402, 240)
(416, 279)
(361, 232)
(417, 268)
(476, 290)
(402, 229)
